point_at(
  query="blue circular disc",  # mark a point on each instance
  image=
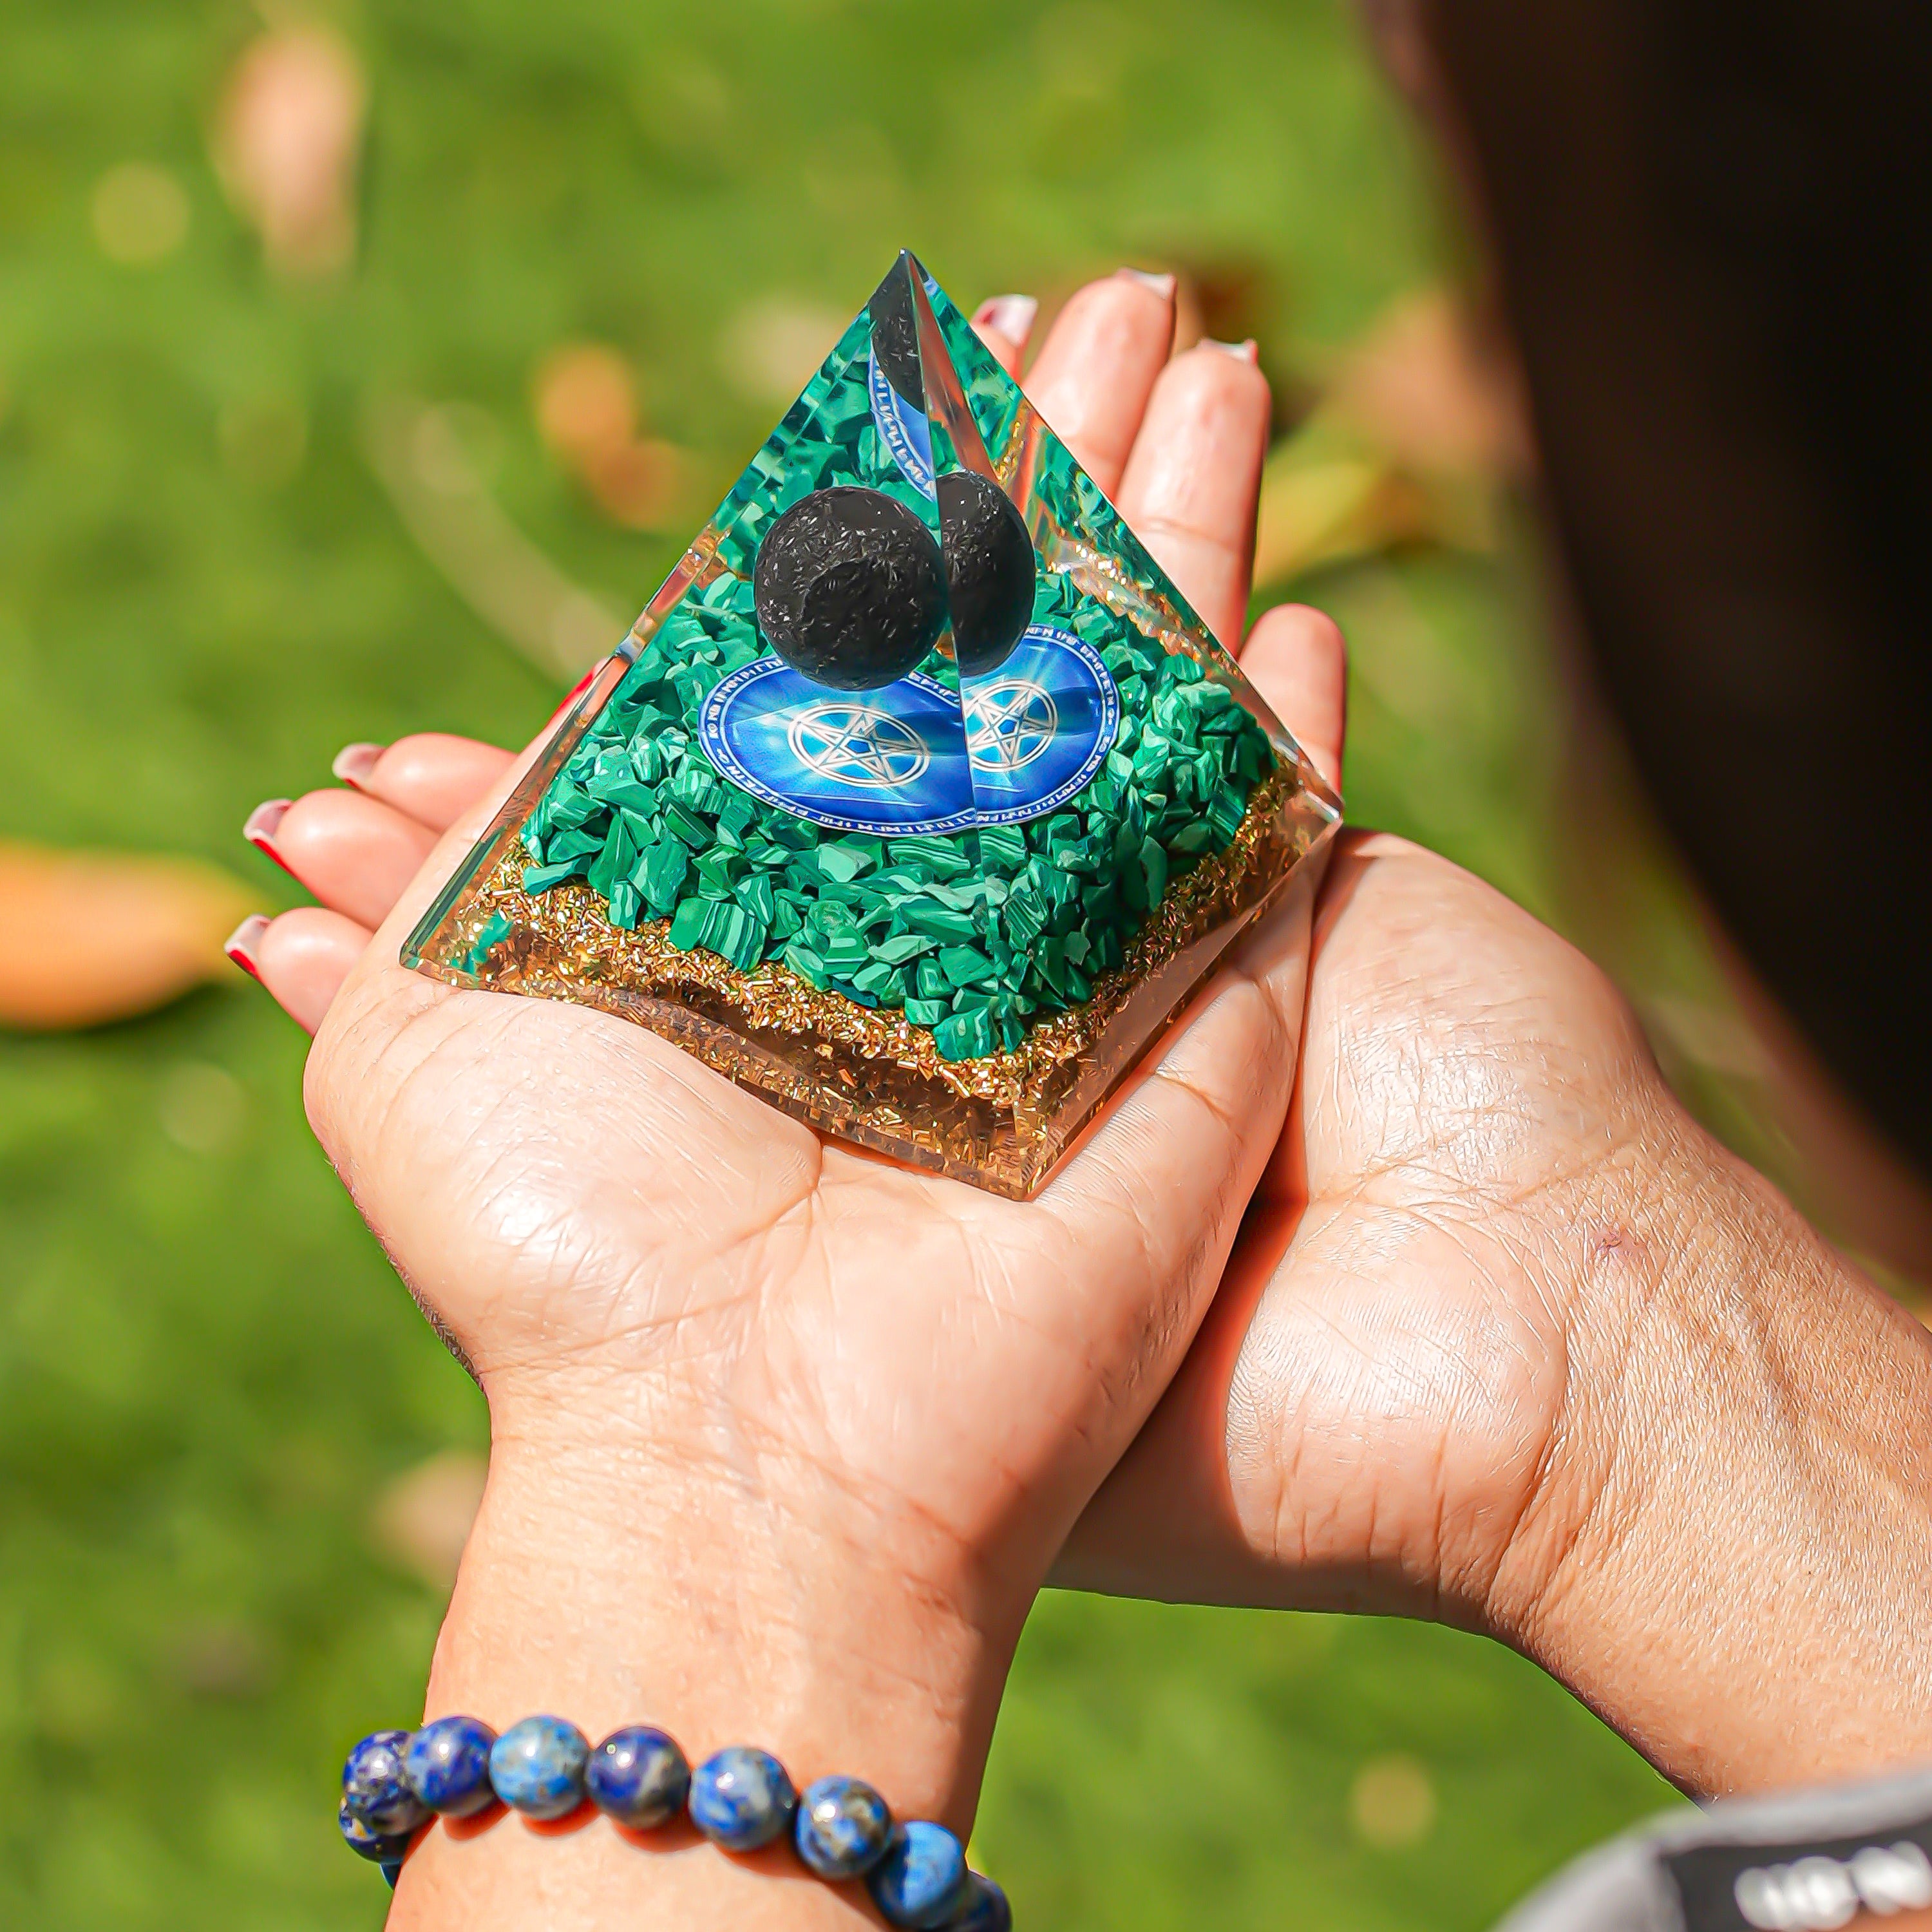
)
(902, 428)
(913, 756)
(888, 762)
(1038, 727)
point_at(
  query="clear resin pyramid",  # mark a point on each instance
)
(918, 800)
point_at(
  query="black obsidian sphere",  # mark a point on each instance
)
(850, 588)
(895, 336)
(989, 569)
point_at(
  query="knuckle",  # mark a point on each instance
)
(1156, 528)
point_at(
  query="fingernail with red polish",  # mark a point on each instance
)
(1162, 285)
(354, 763)
(1248, 351)
(577, 690)
(263, 823)
(243, 944)
(1010, 316)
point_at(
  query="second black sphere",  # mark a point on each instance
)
(989, 569)
(850, 588)
(895, 336)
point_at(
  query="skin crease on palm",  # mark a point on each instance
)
(785, 1437)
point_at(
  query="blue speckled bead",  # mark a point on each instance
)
(537, 1767)
(448, 1765)
(985, 1910)
(843, 1827)
(373, 1787)
(639, 1777)
(382, 1848)
(921, 1881)
(742, 1799)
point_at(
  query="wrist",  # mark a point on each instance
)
(645, 1583)
(1729, 1548)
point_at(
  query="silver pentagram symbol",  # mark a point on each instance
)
(1010, 721)
(852, 744)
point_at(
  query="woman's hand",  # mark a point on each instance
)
(784, 1437)
(1507, 1339)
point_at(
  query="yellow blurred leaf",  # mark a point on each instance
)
(1419, 427)
(585, 400)
(1315, 511)
(1392, 1803)
(422, 1520)
(772, 347)
(91, 937)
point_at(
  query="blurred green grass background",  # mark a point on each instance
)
(207, 1370)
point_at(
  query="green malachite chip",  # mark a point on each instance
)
(489, 935)
(662, 868)
(940, 922)
(540, 878)
(573, 842)
(843, 862)
(1226, 810)
(972, 933)
(965, 1036)
(756, 896)
(729, 931)
(846, 949)
(1153, 869)
(684, 823)
(1003, 847)
(964, 966)
(687, 928)
(931, 855)
(803, 960)
(899, 947)
(626, 791)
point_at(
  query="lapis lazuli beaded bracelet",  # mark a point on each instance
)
(740, 1798)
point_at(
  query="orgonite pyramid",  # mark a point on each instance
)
(918, 800)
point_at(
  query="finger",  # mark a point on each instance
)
(1295, 657)
(1195, 475)
(1003, 323)
(1153, 1201)
(1165, 1520)
(445, 853)
(1097, 367)
(355, 854)
(429, 776)
(302, 957)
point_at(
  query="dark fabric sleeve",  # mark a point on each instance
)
(1808, 1861)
